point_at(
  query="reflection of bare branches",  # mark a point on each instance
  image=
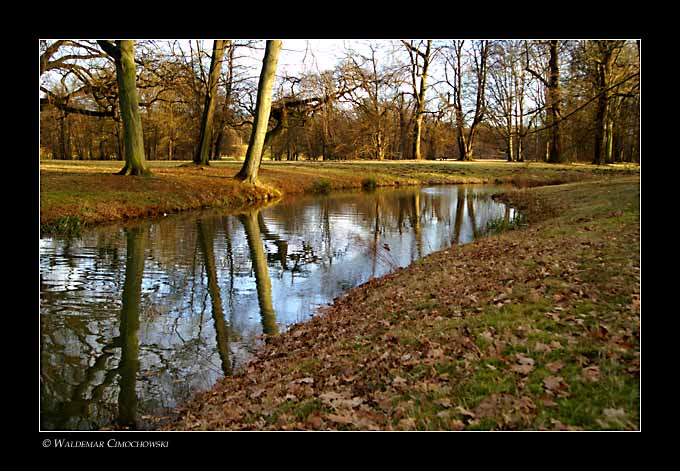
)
(378, 250)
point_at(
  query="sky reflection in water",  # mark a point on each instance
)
(134, 320)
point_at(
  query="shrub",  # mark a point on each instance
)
(70, 226)
(322, 187)
(369, 184)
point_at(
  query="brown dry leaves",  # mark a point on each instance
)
(390, 354)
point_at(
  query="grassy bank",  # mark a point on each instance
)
(76, 194)
(531, 329)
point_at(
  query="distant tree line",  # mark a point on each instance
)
(557, 101)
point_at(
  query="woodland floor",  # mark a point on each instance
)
(77, 194)
(536, 328)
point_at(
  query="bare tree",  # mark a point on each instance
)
(553, 99)
(372, 81)
(205, 138)
(420, 62)
(604, 56)
(506, 89)
(455, 61)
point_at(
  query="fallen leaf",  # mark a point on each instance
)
(522, 369)
(614, 413)
(399, 382)
(591, 373)
(435, 354)
(341, 418)
(462, 411)
(315, 422)
(456, 425)
(553, 383)
(524, 360)
(406, 424)
(555, 366)
(340, 401)
(560, 426)
(446, 402)
(487, 335)
(231, 414)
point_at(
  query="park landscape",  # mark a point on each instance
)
(496, 214)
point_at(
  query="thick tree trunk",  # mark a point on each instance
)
(133, 136)
(64, 144)
(510, 151)
(602, 119)
(203, 153)
(251, 165)
(460, 136)
(520, 147)
(555, 153)
(418, 130)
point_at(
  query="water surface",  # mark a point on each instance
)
(134, 320)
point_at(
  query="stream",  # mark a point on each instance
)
(136, 319)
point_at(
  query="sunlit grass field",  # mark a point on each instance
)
(83, 193)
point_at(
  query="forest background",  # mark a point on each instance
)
(358, 99)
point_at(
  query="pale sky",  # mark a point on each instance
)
(310, 54)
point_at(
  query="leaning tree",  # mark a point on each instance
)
(251, 165)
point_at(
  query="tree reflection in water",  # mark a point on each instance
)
(125, 326)
(262, 280)
(129, 327)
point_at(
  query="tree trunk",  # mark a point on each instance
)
(604, 65)
(64, 144)
(510, 150)
(403, 128)
(251, 165)
(520, 147)
(417, 132)
(465, 144)
(555, 153)
(202, 156)
(464, 147)
(133, 136)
